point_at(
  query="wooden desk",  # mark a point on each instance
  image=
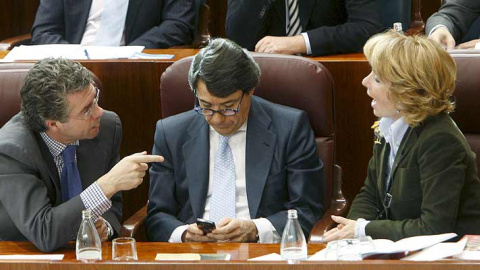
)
(131, 89)
(239, 254)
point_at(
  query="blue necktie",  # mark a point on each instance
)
(112, 23)
(223, 193)
(70, 179)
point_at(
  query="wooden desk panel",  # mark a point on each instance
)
(239, 252)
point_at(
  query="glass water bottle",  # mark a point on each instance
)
(293, 246)
(89, 246)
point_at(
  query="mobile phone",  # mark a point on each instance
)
(205, 225)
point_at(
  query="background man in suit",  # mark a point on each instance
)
(451, 23)
(42, 190)
(151, 23)
(236, 159)
(326, 27)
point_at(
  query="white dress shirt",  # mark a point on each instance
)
(93, 24)
(393, 132)
(237, 142)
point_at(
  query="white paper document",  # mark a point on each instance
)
(32, 257)
(438, 251)
(71, 51)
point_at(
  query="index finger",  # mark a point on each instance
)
(146, 158)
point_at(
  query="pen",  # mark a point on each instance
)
(86, 54)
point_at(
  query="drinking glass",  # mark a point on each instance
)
(124, 249)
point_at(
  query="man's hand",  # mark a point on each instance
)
(195, 234)
(468, 45)
(345, 229)
(442, 36)
(127, 174)
(101, 229)
(285, 45)
(235, 230)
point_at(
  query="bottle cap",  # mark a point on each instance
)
(86, 213)
(292, 213)
(397, 27)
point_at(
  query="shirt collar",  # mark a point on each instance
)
(393, 130)
(55, 147)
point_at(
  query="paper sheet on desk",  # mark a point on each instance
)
(438, 251)
(70, 51)
(32, 257)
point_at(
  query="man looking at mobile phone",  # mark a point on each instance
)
(236, 159)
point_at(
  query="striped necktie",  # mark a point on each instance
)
(294, 27)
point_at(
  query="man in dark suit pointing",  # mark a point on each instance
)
(59, 156)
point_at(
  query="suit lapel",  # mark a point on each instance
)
(280, 11)
(260, 147)
(409, 139)
(76, 17)
(51, 168)
(383, 168)
(132, 14)
(196, 154)
(305, 8)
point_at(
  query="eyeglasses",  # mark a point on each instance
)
(88, 114)
(209, 112)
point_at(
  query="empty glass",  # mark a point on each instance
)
(349, 249)
(124, 249)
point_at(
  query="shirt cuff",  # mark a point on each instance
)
(176, 236)
(436, 27)
(95, 200)
(360, 227)
(266, 232)
(307, 43)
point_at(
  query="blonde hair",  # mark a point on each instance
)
(421, 75)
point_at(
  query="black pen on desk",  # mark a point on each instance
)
(86, 54)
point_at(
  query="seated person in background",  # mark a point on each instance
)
(236, 159)
(42, 190)
(452, 22)
(149, 23)
(313, 27)
(422, 178)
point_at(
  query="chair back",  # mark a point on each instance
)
(11, 81)
(467, 95)
(288, 80)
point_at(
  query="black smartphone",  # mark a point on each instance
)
(205, 225)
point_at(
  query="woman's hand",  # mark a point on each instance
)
(345, 229)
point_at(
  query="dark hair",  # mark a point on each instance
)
(225, 68)
(45, 88)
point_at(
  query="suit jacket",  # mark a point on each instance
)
(435, 185)
(283, 170)
(31, 205)
(457, 15)
(334, 26)
(150, 23)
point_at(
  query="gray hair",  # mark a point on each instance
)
(45, 88)
(225, 68)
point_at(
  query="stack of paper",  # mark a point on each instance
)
(71, 51)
